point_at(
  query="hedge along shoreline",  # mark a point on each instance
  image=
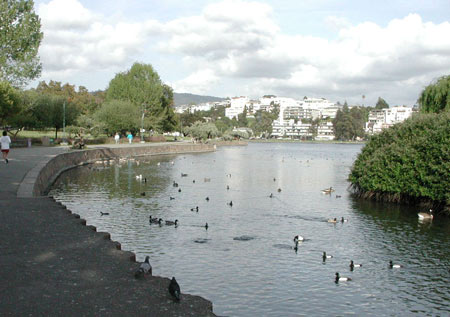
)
(407, 163)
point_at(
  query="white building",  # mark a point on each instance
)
(290, 129)
(384, 118)
(325, 132)
(237, 105)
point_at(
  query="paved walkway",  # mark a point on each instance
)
(53, 265)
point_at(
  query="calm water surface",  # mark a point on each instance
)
(245, 262)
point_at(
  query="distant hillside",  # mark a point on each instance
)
(185, 99)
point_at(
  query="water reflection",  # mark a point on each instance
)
(245, 261)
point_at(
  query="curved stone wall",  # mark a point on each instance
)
(48, 173)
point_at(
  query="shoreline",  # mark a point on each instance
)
(53, 266)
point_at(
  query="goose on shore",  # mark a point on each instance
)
(425, 215)
(341, 279)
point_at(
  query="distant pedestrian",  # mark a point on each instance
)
(117, 137)
(130, 137)
(5, 140)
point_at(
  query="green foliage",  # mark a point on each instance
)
(202, 130)
(9, 102)
(409, 161)
(142, 87)
(349, 123)
(436, 96)
(381, 104)
(117, 115)
(20, 37)
(86, 103)
(48, 112)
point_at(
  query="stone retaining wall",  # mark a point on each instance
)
(48, 173)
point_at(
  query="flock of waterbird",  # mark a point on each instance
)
(145, 267)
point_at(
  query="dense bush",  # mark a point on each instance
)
(409, 162)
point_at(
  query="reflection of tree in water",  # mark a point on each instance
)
(117, 178)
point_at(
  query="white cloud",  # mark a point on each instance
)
(77, 40)
(198, 82)
(236, 45)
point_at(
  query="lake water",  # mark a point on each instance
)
(245, 263)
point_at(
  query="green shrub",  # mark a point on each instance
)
(409, 162)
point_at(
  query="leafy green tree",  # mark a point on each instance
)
(52, 111)
(9, 102)
(262, 125)
(349, 123)
(142, 87)
(242, 118)
(381, 104)
(20, 37)
(188, 118)
(202, 130)
(436, 96)
(86, 102)
(118, 115)
(407, 162)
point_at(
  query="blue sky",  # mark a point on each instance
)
(339, 50)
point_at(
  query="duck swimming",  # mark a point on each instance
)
(172, 223)
(353, 265)
(298, 238)
(206, 226)
(328, 190)
(325, 256)
(104, 213)
(341, 279)
(230, 204)
(425, 215)
(334, 220)
(394, 266)
(344, 220)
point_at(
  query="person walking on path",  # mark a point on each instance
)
(5, 140)
(130, 137)
(117, 137)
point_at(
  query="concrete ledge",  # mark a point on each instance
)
(38, 180)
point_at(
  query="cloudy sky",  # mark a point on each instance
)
(337, 49)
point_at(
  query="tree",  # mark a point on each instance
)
(349, 123)
(142, 87)
(9, 102)
(118, 115)
(202, 130)
(20, 37)
(82, 99)
(263, 122)
(242, 118)
(381, 104)
(436, 96)
(52, 111)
